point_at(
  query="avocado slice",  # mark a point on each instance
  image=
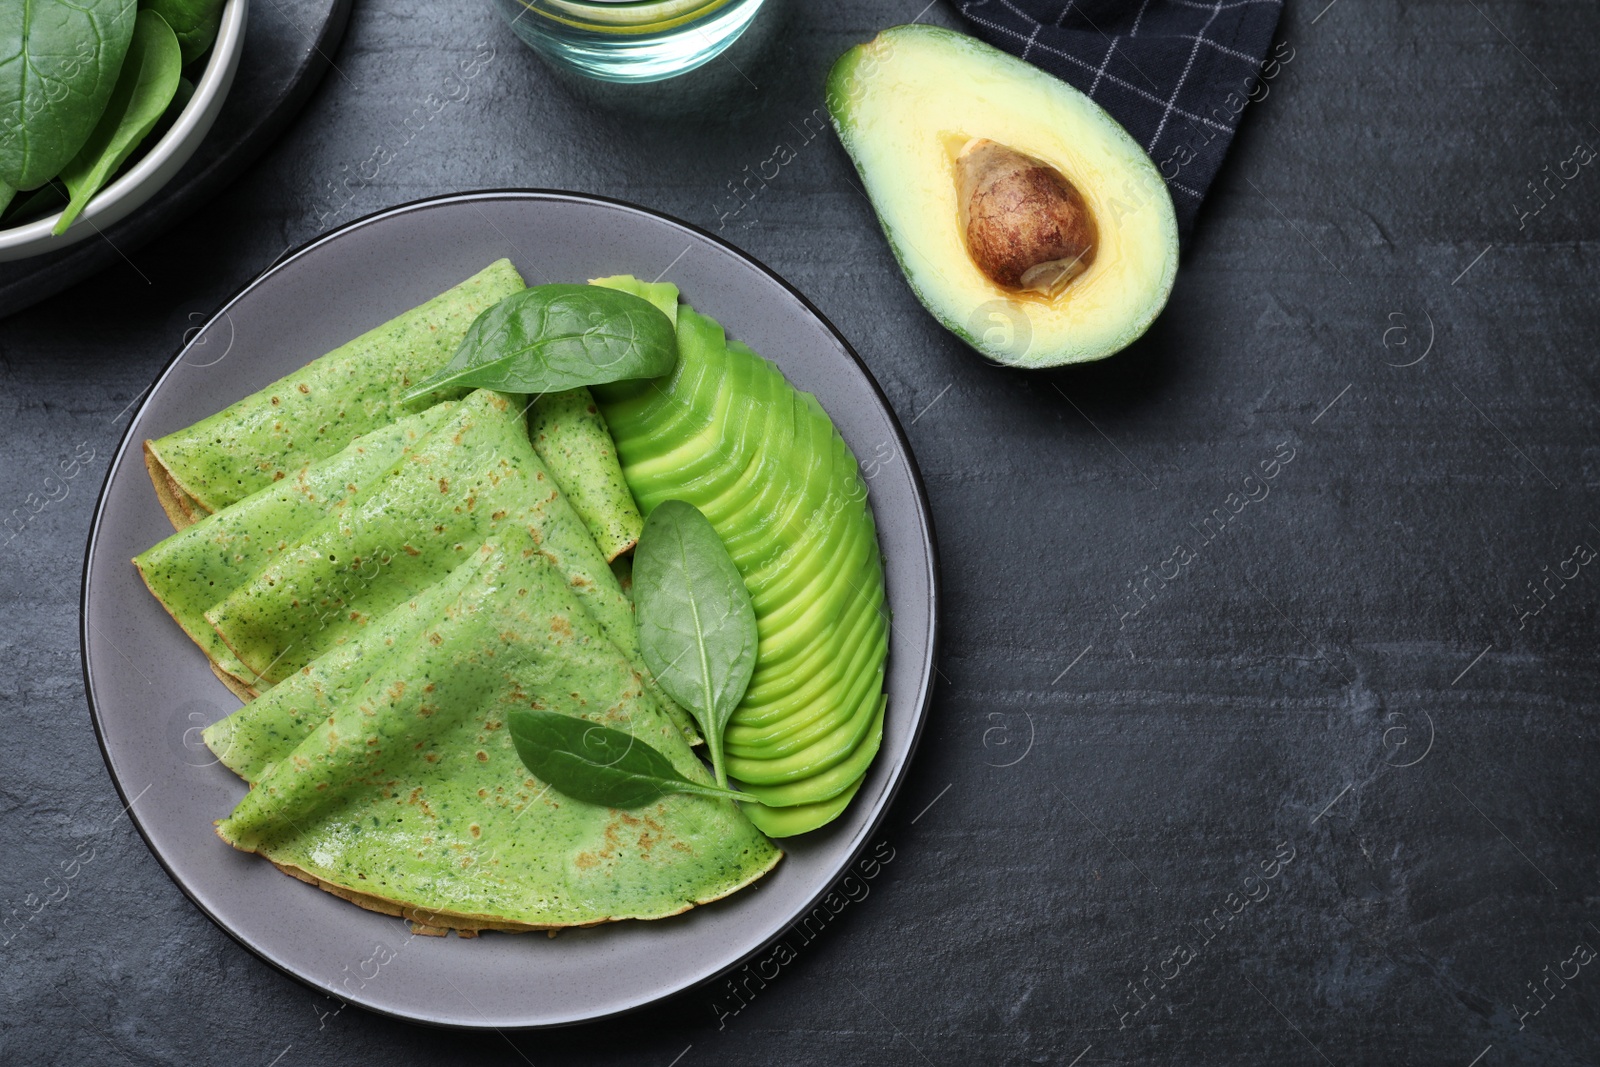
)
(726, 432)
(1024, 217)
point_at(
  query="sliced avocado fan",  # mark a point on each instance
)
(727, 433)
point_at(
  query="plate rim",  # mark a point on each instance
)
(926, 534)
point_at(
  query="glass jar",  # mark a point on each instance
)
(629, 40)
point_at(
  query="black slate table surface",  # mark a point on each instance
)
(1255, 743)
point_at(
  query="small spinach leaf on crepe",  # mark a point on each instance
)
(596, 764)
(697, 627)
(553, 337)
(145, 86)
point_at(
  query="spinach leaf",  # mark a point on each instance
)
(553, 337)
(597, 764)
(58, 62)
(29, 207)
(697, 627)
(195, 23)
(169, 117)
(145, 87)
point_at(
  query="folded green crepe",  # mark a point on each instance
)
(410, 798)
(320, 408)
(570, 435)
(474, 476)
(201, 564)
(268, 728)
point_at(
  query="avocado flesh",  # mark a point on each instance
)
(819, 544)
(829, 696)
(726, 432)
(773, 679)
(775, 818)
(703, 450)
(836, 689)
(905, 103)
(821, 704)
(777, 486)
(657, 416)
(851, 632)
(733, 443)
(789, 821)
(819, 745)
(834, 780)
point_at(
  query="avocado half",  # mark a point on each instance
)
(1024, 217)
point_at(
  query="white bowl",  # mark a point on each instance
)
(158, 164)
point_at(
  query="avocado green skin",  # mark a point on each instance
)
(727, 433)
(320, 408)
(385, 770)
(837, 99)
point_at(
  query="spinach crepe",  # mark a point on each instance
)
(320, 408)
(262, 732)
(410, 798)
(201, 564)
(474, 476)
(570, 435)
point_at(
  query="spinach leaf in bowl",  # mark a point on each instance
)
(195, 22)
(58, 63)
(48, 199)
(146, 85)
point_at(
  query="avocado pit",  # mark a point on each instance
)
(1027, 227)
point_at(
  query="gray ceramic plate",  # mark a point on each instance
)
(151, 693)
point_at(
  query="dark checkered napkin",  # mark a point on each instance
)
(1176, 73)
